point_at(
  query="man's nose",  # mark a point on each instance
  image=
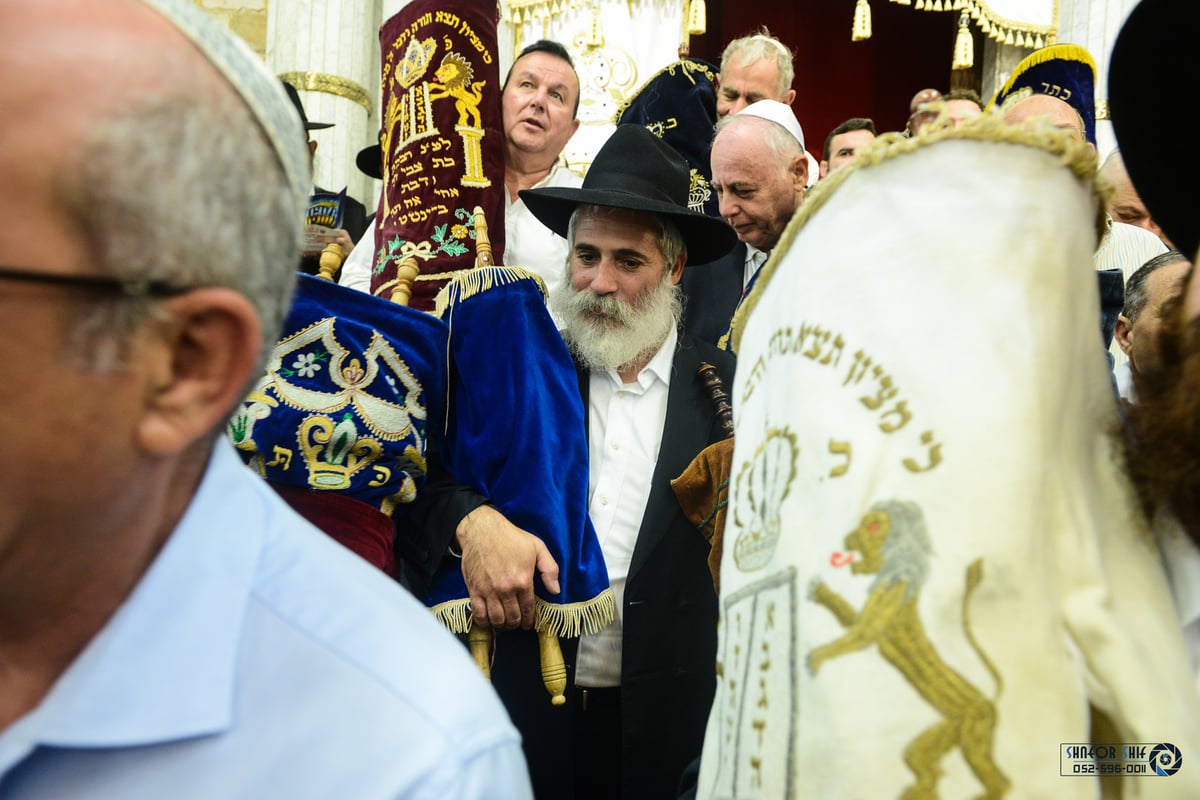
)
(727, 205)
(604, 279)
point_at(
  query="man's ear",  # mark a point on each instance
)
(677, 270)
(200, 363)
(800, 171)
(1121, 333)
(789, 97)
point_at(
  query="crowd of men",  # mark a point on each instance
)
(168, 625)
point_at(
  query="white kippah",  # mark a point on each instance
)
(259, 89)
(779, 113)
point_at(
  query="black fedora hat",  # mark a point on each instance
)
(637, 171)
(1152, 70)
(294, 96)
(369, 161)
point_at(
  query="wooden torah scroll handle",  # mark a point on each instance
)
(554, 671)
(331, 260)
(717, 394)
(483, 245)
(406, 273)
(479, 642)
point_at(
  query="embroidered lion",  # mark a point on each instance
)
(453, 77)
(891, 543)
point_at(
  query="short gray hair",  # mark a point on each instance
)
(670, 240)
(1137, 292)
(757, 47)
(185, 190)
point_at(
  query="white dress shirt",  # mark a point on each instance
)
(755, 258)
(356, 269)
(1123, 377)
(527, 242)
(531, 245)
(625, 428)
(1125, 247)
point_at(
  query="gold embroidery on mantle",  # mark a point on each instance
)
(891, 543)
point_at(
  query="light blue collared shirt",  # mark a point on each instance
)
(257, 658)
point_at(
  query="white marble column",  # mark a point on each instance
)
(1095, 24)
(330, 49)
(391, 7)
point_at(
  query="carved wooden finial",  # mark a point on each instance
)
(483, 245)
(331, 261)
(554, 671)
(479, 643)
(406, 273)
(716, 392)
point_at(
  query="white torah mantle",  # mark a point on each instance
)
(936, 579)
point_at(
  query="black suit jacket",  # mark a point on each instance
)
(669, 616)
(712, 293)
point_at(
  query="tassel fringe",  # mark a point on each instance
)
(1001, 29)
(964, 45)
(565, 621)
(575, 619)
(469, 282)
(862, 22)
(454, 614)
(696, 18)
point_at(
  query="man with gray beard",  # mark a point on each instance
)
(603, 331)
(639, 691)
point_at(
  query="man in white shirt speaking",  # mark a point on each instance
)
(538, 108)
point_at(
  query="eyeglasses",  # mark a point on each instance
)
(129, 288)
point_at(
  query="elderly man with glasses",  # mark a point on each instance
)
(168, 626)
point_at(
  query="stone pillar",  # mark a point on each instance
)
(246, 18)
(391, 8)
(329, 49)
(1095, 24)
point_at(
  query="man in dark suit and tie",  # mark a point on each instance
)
(638, 692)
(759, 171)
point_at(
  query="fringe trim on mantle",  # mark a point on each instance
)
(565, 621)
(469, 282)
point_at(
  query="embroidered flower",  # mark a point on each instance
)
(459, 231)
(305, 365)
(353, 373)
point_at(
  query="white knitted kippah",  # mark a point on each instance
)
(261, 91)
(779, 113)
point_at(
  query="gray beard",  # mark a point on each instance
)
(605, 333)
